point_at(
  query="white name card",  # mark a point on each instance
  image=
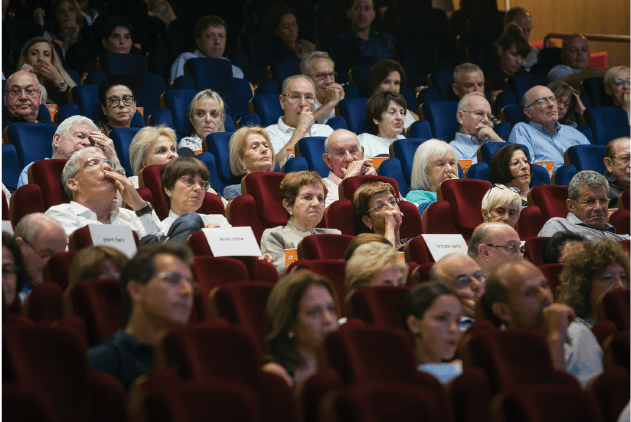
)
(441, 245)
(232, 241)
(119, 237)
(7, 227)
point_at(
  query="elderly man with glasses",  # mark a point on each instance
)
(588, 206)
(491, 243)
(545, 138)
(298, 103)
(22, 99)
(618, 168)
(320, 68)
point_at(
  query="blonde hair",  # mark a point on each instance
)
(87, 262)
(369, 260)
(144, 140)
(208, 94)
(428, 151)
(54, 59)
(499, 196)
(238, 144)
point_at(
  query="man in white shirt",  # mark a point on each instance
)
(319, 67)
(345, 157)
(298, 103)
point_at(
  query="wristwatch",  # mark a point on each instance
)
(145, 210)
(62, 86)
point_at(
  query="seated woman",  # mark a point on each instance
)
(385, 113)
(377, 210)
(40, 54)
(96, 262)
(560, 246)
(434, 162)
(568, 102)
(250, 151)
(207, 115)
(184, 183)
(301, 310)
(591, 272)
(389, 75)
(115, 38)
(510, 166)
(63, 23)
(432, 313)
(303, 196)
(512, 49)
(374, 264)
(616, 82)
(282, 21)
(501, 204)
(15, 274)
(117, 95)
(151, 145)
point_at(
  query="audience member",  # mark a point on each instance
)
(302, 194)
(476, 126)
(63, 23)
(588, 205)
(117, 95)
(301, 310)
(377, 210)
(568, 102)
(518, 294)
(157, 289)
(15, 272)
(319, 66)
(575, 57)
(618, 169)
(115, 38)
(210, 37)
(151, 145)
(510, 166)
(282, 21)
(362, 239)
(545, 138)
(523, 19)
(162, 10)
(432, 313)
(374, 264)
(491, 243)
(434, 162)
(595, 270)
(385, 114)
(468, 78)
(617, 83)
(560, 246)
(345, 157)
(207, 115)
(96, 262)
(501, 204)
(22, 99)
(389, 75)
(512, 49)
(38, 237)
(40, 53)
(298, 103)
(464, 276)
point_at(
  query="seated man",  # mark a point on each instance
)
(157, 292)
(618, 169)
(545, 138)
(463, 275)
(476, 126)
(22, 99)
(210, 37)
(39, 237)
(345, 157)
(319, 67)
(588, 203)
(72, 135)
(493, 242)
(298, 103)
(519, 295)
(575, 56)
(468, 78)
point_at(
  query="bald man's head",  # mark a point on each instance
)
(462, 274)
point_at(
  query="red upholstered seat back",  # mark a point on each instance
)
(416, 251)
(465, 199)
(264, 187)
(323, 246)
(623, 200)
(616, 305)
(57, 269)
(47, 174)
(551, 200)
(26, 200)
(534, 249)
(551, 272)
(149, 177)
(340, 215)
(381, 305)
(210, 272)
(350, 185)
(530, 222)
(621, 220)
(332, 268)
(44, 302)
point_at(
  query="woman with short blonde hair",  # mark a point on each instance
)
(501, 204)
(374, 264)
(206, 114)
(151, 145)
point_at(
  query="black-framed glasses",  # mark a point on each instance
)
(511, 188)
(174, 278)
(381, 205)
(464, 280)
(17, 92)
(542, 101)
(94, 162)
(43, 257)
(622, 81)
(481, 115)
(296, 98)
(323, 76)
(127, 100)
(190, 182)
(10, 269)
(512, 249)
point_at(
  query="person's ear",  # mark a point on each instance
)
(136, 291)
(288, 207)
(168, 191)
(485, 215)
(608, 90)
(483, 250)
(454, 87)
(500, 51)
(56, 140)
(501, 311)
(528, 113)
(570, 205)
(104, 43)
(460, 116)
(413, 325)
(367, 222)
(282, 102)
(327, 161)
(73, 184)
(608, 164)
(349, 13)
(376, 122)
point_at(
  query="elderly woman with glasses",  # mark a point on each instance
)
(501, 204)
(617, 84)
(385, 114)
(377, 210)
(510, 166)
(117, 95)
(568, 102)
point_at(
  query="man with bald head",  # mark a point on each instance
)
(22, 99)
(545, 138)
(345, 157)
(463, 275)
(468, 78)
(493, 242)
(517, 292)
(575, 56)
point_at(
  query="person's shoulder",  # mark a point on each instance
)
(322, 130)
(326, 231)
(574, 133)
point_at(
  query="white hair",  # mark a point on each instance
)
(428, 151)
(65, 126)
(499, 196)
(72, 166)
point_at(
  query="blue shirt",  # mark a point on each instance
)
(466, 147)
(378, 46)
(545, 147)
(560, 72)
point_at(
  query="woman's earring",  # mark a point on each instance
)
(376, 122)
(290, 334)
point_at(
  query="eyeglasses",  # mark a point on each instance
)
(542, 101)
(381, 205)
(296, 98)
(16, 93)
(519, 161)
(322, 76)
(44, 257)
(481, 115)
(175, 278)
(564, 104)
(95, 162)
(9, 269)
(624, 159)
(190, 182)
(464, 280)
(127, 100)
(600, 202)
(500, 186)
(622, 81)
(512, 249)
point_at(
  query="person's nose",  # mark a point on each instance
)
(106, 166)
(619, 284)
(454, 327)
(542, 295)
(328, 318)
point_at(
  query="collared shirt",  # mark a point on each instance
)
(379, 44)
(9, 119)
(614, 189)
(73, 216)
(177, 69)
(573, 224)
(409, 119)
(123, 356)
(376, 145)
(332, 183)
(583, 355)
(218, 219)
(328, 116)
(560, 72)
(467, 146)
(545, 147)
(280, 133)
(194, 142)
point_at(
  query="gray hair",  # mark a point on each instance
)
(464, 102)
(428, 151)
(500, 196)
(65, 126)
(610, 76)
(72, 166)
(369, 260)
(585, 178)
(30, 225)
(292, 77)
(465, 67)
(144, 140)
(305, 64)
(477, 238)
(327, 144)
